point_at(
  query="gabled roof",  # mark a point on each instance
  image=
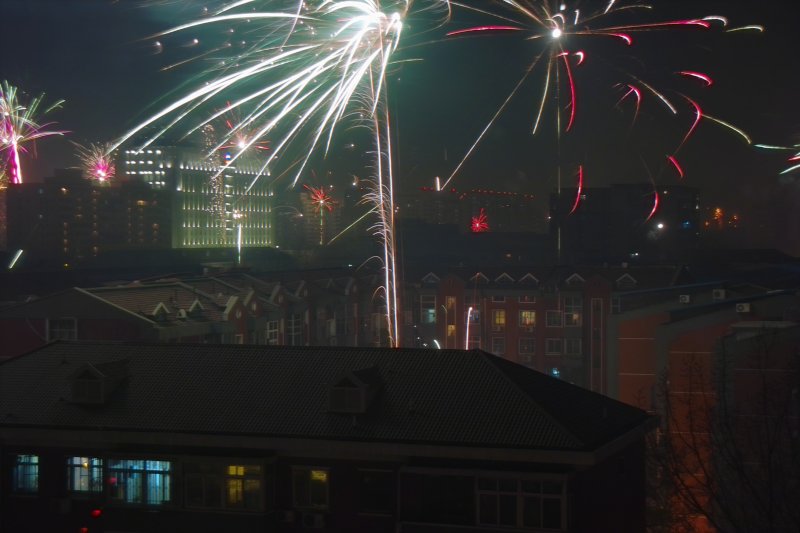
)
(441, 397)
(145, 299)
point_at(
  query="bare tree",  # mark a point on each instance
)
(727, 455)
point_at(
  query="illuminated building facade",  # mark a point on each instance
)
(212, 205)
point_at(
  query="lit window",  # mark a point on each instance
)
(26, 474)
(243, 487)
(427, 306)
(498, 320)
(85, 474)
(140, 481)
(310, 487)
(527, 320)
(573, 309)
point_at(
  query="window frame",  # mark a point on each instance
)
(427, 308)
(520, 495)
(73, 330)
(553, 314)
(502, 340)
(27, 469)
(144, 476)
(547, 343)
(95, 478)
(532, 350)
(311, 506)
(526, 325)
(568, 341)
(392, 508)
(499, 320)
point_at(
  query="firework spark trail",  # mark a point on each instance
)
(793, 159)
(535, 20)
(313, 66)
(579, 190)
(97, 161)
(19, 126)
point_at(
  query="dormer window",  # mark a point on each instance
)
(355, 392)
(91, 384)
(160, 313)
(575, 279)
(504, 278)
(88, 388)
(479, 278)
(196, 309)
(430, 278)
(626, 281)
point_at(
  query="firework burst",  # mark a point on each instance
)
(97, 161)
(311, 66)
(480, 223)
(566, 35)
(322, 202)
(19, 126)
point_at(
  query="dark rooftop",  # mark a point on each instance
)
(446, 397)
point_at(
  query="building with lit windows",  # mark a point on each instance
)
(203, 438)
(212, 205)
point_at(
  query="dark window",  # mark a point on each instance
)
(438, 499)
(377, 491)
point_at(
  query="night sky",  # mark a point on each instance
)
(93, 54)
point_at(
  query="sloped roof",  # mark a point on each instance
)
(143, 299)
(463, 398)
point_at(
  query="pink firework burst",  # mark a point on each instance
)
(97, 162)
(480, 223)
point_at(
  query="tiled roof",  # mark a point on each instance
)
(435, 397)
(143, 299)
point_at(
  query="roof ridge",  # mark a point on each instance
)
(489, 358)
(112, 304)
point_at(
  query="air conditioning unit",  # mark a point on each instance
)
(743, 308)
(313, 520)
(685, 298)
(718, 294)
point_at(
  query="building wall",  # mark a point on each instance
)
(435, 497)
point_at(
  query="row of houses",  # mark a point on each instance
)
(579, 324)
